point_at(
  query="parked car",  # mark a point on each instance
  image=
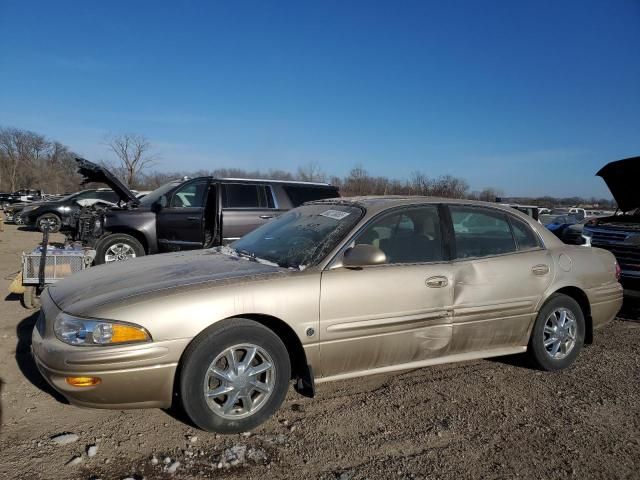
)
(579, 213)
(13, 211)
(332, 290)
(58, 213)
(620, 234)
(24, 195)
(188, 214)
(572, 234)
(557, 224)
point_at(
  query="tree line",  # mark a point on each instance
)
(30, 160)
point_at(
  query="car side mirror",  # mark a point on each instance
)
(363, 255)
(160, 204)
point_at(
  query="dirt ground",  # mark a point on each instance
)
(483, 419)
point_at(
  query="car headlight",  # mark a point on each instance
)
(84, 331)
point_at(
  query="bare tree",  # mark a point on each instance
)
(134, 154)
(22, 152)
(489, 194)
(311, 172)
(419, 183)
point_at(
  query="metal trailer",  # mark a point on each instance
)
(49, 263)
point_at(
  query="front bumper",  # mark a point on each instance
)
(132, 376)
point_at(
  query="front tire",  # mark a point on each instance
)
(558, 333)
(118, 247)
(51, 219)
(234, 376)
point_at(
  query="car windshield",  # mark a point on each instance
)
(154, 196)
(301, 237)
(69, 197)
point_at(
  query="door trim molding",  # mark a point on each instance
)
(460, 357)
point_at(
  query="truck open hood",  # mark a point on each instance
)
(622, 179)
(95, 173)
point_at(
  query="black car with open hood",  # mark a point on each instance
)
(622, 178)
(620, 233)
(92, 173)
(60, 214)
(185, 214)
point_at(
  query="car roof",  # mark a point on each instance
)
(374, 204)
(268, 180)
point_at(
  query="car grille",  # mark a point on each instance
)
(601, 236)
(628, 256)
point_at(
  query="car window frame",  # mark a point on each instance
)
(179, 187)
(267, 189)
(447, 258)
(536, 235)
(508, 215)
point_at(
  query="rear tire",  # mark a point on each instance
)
(558, 333)
(118, 247)
(227, 412)
(53, 220)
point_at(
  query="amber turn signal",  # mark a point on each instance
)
(125, 333)
(83, 381)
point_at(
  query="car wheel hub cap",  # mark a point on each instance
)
(119, 252)
(239, 381)
(559, 334)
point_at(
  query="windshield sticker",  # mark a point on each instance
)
(335, 214)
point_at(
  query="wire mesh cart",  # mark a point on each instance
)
(49, 263)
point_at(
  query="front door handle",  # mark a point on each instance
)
(540, 270)
(193, 219)
(437, 282)
(265, 217)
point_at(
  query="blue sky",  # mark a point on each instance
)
(530, 97)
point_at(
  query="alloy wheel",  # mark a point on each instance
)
(119, 252)
(559, 333)
(239, 381)
(53, 222)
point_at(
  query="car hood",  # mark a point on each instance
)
(622, 177)
(21, 205)
(120, 282)
(95, 173)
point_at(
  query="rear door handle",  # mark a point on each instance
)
(540, 270)
(437, 282)
(265, 217)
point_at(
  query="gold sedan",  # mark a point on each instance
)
(335, 289)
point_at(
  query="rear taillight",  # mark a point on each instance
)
(618, 271)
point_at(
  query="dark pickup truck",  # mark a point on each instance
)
(620, 234)
(185, 214)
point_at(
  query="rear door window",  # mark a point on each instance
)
(108, 196)
(299, 194)
(525, 238)
(240, 195)
(481, 232)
